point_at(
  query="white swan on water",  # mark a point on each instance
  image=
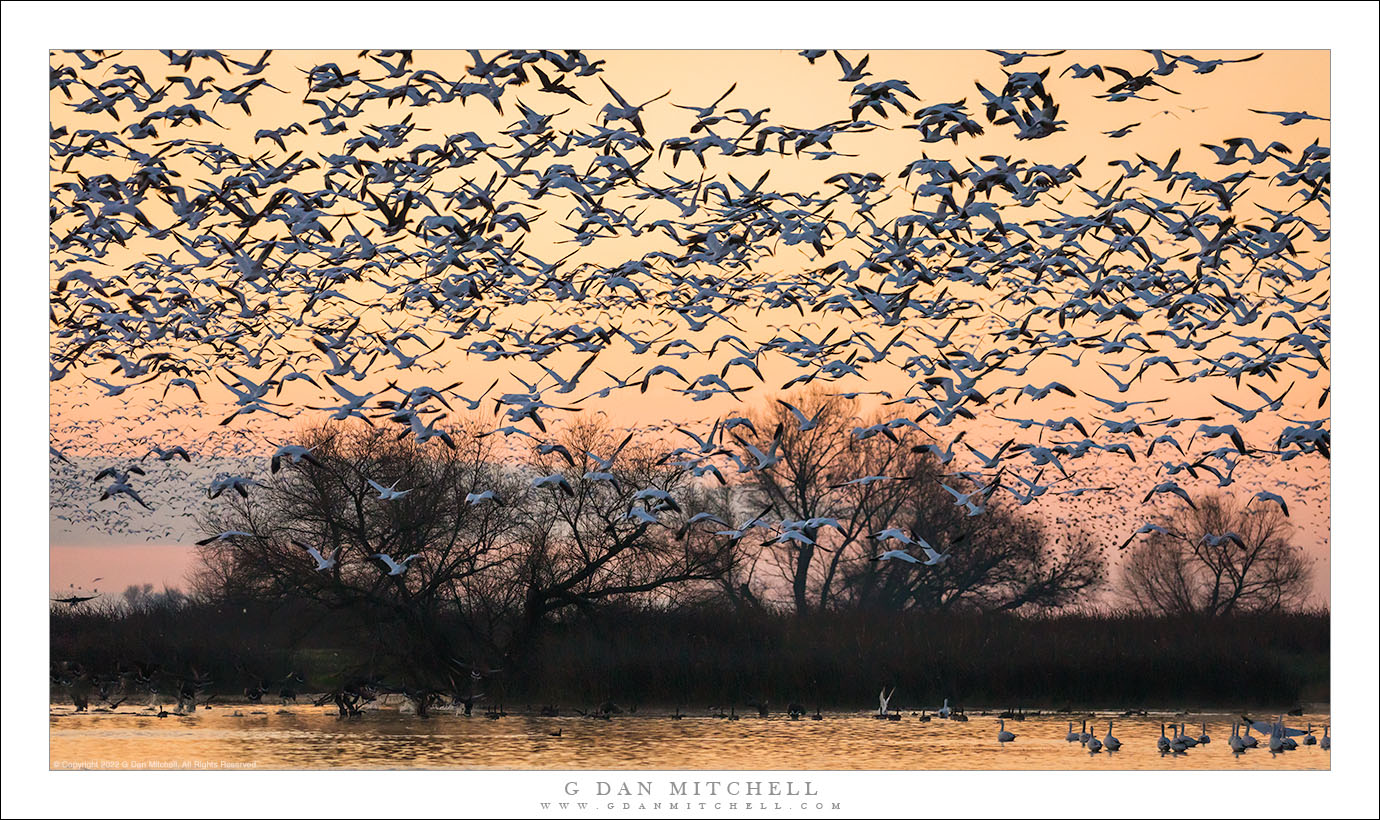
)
(1004, 736)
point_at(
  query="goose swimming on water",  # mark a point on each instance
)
(1110, 740)
(1234, 739)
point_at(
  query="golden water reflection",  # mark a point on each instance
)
(307, 737)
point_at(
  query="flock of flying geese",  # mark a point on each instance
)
(205, 251)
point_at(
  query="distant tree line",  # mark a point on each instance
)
(499, 545)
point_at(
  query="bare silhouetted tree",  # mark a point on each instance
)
(495, 542)
(609, 533)
(1221, 558)
(851, 478)
(328, 504)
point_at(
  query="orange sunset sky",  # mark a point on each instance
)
(120, 543)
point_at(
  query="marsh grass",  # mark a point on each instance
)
(710, 656)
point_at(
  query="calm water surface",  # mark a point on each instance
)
(254, 736)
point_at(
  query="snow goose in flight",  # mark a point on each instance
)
(805, 423)
(395, 567)
(1265, 495)
(933, 558)
(1289, 117)
(642, 515)
(764, 460)
(324, 562)
(663, 498)
(223, 536)
(893, 534)
(121, 488)
(897, 555)
(1171, 487)
(294, 453)
(1010, 58)
(1209, 66)
(966, 499)
(391, 493)
(606, 464)
(624, 110)
(73, 600)
(553, 480)
(239, 484)
(853, 73)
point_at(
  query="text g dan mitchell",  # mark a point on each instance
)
(693, 788)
